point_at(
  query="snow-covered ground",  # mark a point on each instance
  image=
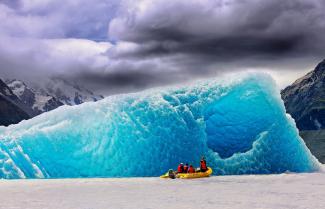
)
(264, 191)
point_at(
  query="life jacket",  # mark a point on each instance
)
(185, 168)
(180, 168)
(191, 169)
(203, 165)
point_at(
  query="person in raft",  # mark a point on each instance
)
(186, 168)
(180, 168)
(191, 169)
(203, 165)
(171, 174)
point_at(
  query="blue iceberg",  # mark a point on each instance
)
(238, 122)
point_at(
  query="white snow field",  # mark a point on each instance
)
(255, 191)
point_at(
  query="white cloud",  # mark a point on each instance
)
(23, 57)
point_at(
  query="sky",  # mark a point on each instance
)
(115, 46)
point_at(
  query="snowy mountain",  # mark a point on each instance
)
(51, 93)
(35, 100)
(67, 92)
(21, 100)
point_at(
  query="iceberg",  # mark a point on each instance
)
(238, 122)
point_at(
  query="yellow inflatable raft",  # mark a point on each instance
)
(191, 175)
(165, 176)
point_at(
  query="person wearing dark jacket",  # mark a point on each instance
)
(171, 174)
(185, 168)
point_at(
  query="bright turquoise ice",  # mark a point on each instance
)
(237, 122)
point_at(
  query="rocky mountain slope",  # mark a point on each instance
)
(315, 140)
(305, 99)
(11, 110)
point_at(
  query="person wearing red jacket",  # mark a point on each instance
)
(180, 168)
(191, 169)
(203, 165)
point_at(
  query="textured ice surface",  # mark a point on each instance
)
(237, 122)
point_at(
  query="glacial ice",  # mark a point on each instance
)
(238, 122)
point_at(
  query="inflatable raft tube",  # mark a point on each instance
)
(191, 175)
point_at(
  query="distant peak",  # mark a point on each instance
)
(320, 67)
(12, 81)
(322, 62)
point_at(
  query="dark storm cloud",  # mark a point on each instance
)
(200, 38)
(223, 48)
(120, 82)
(129, 75)
(158, 42)
(224, 29)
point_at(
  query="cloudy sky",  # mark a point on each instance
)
(118, 45)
